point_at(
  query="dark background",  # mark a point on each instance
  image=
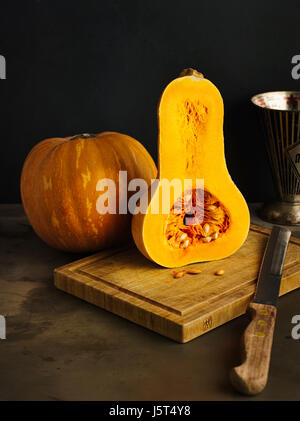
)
(90, 65)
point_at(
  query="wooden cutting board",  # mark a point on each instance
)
(124, 282)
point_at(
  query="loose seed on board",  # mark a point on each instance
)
(220, 272)
(179, 274)
(206, 228)
(206, 239)
(214, 235)
(194, 271)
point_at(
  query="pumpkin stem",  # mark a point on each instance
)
(83, 136)
(191, 72)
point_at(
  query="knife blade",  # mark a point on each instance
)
(269, 278)
(252, 375)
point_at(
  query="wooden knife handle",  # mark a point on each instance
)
(251, 377)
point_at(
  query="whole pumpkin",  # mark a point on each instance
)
(58, 188)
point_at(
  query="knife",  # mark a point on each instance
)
(251, 377)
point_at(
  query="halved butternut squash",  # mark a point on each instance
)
(214, 219)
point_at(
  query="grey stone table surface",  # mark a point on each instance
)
(58, 347)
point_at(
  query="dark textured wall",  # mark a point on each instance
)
(90, 65)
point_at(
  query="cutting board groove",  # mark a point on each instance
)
(124, 282)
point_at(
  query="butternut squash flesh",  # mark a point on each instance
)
(191, 146)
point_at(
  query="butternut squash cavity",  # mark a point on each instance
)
(182, 229)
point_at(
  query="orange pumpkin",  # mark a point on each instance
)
(58, 188)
